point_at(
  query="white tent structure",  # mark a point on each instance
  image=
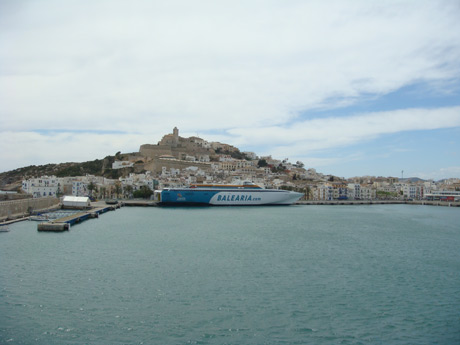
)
(76, 202)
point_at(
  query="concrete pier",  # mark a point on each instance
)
(378, 202)
(143, 203)
(64, 223)
(49, 226)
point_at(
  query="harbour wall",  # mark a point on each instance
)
(376, 202)
(20, 208)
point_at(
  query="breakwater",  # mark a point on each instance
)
(14, 209)
(378, 202)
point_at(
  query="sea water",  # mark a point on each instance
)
(377, 274)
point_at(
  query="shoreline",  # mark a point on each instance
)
(150, 203)
(379, 202)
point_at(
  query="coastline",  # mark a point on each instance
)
(149, 203)
(378, 202)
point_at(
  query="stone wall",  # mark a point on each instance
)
(157, 164)
(152, 151)
(14, 196)
(18, 208)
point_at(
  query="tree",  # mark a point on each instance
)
(308, 193)
(144, 192)
(262, 163)
(128, 191)
(102, 192)
(117, 189)
(91, 187)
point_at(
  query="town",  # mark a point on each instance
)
(176, 161)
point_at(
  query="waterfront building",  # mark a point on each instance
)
(354, 191)
(443, 195)
(79, 188)
(42, 186)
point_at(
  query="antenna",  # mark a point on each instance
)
(402, 174)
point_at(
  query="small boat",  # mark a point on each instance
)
(4, 229)
(39, 218)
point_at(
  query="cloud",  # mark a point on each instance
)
(73, 63)
(251, 73)
(315, 134)
(21, 149)
(442, 173)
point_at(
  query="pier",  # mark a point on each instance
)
(64, 223)
(379, 202)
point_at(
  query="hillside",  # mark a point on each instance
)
(12, 180)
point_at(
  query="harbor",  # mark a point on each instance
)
(64, 223)
(380, 202)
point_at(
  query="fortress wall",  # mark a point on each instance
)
(18, 208)
(153, 151)
(158, 163)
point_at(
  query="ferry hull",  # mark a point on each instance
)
(234, 197)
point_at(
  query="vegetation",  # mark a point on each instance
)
(144, 192)
(262, 163)
(386, 195)
(279, 169)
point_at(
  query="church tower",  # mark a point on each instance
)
(175, 137)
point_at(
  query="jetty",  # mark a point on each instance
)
(379, 202)
(64, 223)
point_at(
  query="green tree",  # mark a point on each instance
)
(117, 189)
(262, 163)
(91, 187)
(144, 192)
(127, 191)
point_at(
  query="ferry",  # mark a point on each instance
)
(246, 194)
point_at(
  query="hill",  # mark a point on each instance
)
(12, 180)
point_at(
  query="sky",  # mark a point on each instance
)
(350, 88)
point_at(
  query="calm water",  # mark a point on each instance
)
(381, 274)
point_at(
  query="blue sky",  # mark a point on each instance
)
(349, 88)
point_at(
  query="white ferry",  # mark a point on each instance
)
(246, 194)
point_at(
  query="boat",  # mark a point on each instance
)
(244, 194)
(39, 218)
(4, 228)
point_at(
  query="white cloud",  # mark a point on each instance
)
(246, 63)
(442, 173)
(322, 133)
(247, 68)
(21, 149)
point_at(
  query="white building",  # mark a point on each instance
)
(76, 202)
(413, 191)
(250, 155)
(42, 186)
(354, 191)
(79, 188)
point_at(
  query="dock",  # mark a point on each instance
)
(64, 223)
(140, 203)
(379, 202)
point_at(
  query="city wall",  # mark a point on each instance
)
(19, 208)
(157, 164)
(152, 151)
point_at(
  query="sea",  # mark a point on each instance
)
(368, 274)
